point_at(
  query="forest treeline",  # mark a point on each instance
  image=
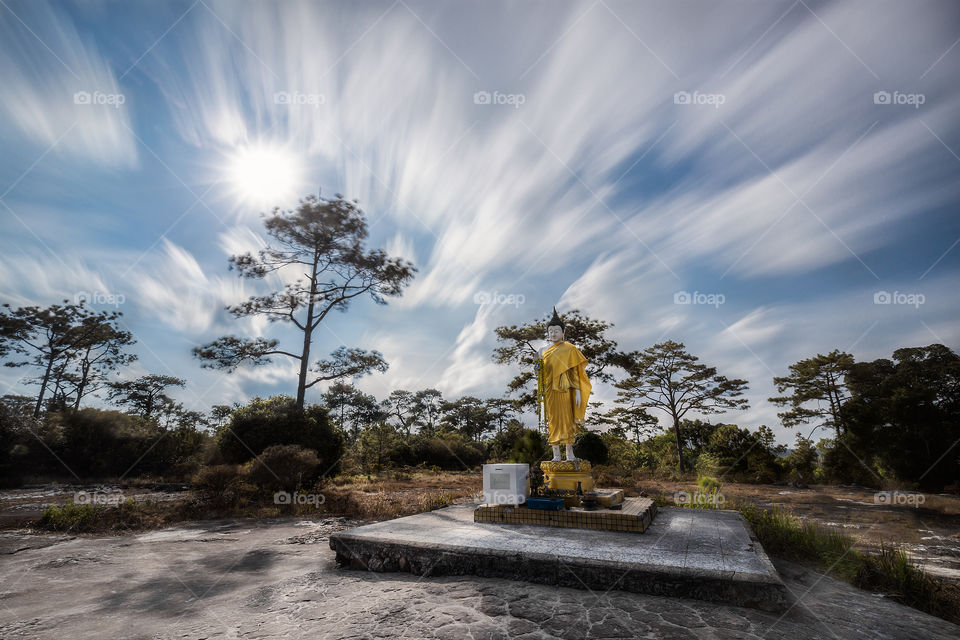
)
(890, 421)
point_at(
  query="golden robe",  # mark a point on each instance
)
(564, 371)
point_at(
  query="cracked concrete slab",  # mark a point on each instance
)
(276, 581)
(703, 554)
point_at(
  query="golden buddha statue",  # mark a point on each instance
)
(563, 388)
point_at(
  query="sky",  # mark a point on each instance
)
(761, 181)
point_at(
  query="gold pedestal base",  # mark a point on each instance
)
(564, 475)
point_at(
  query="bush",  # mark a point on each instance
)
(278, 421)
(449, 451)
(284, 468)
(590, 446)
(529, 448)
(218, 483)
(70, 517)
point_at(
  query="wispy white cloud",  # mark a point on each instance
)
(59, 90)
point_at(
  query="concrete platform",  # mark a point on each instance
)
(634, 515)
(693, 553)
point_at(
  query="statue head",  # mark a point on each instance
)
(555, 328)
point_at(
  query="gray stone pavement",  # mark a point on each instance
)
(278, 579)
(697, 553)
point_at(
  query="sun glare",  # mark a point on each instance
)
(265, 176)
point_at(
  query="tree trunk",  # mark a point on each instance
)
(307, 335)
(84, 375)
(676, 430)
(43, 386)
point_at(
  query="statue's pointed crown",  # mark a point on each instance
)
(555, 321)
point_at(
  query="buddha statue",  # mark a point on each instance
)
(564, 386)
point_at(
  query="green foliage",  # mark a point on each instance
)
(707, 464)
(890, 571)
(783, 535)
(817, 391)
(284, 468)
(590, 446)
(72, 348)
(381, 446)
(668, 378)
(276, 421)
(101, 443)
(590, 336)
(904, 415)
(323, 242)
(219, 483)
(447, 450)
(500, 448)
(70, 517)
(530, 448)
(802, 461)
(708, 484)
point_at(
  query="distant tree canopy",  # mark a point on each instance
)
(668, 378)
(72, 348)
(817, 391)
(905, 413)
(518, 348)
(279, 420)
(322, 244)
(146, 396)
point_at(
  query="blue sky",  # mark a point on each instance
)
(788, 162)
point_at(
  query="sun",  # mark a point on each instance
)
(265, 176)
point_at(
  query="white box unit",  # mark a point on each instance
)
(506, 483)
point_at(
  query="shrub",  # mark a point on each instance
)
(218, 483)
(284, 468)
(708, 484)
(451, 451)
(70, 517)
(530, 447)
(278, 421)
(707, 464)
(590, 446)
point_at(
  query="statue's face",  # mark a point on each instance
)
(554, 334)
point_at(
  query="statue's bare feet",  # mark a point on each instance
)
(556, 453)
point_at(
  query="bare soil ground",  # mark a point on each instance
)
(930, 530)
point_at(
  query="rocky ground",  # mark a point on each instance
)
(277, 579)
